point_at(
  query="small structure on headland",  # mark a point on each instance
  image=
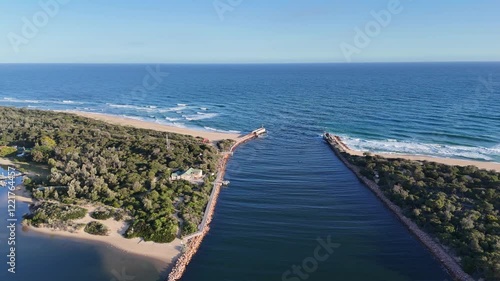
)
(259, 131)
(335, 141)
(194, 240)
(189, 174)
(22, 151)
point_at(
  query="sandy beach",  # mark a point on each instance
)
(448, 161)
(6, 162)
(164, 254)
(124, 121)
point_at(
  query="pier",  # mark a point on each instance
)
(451, 265)
(334, 141)
(194, 240)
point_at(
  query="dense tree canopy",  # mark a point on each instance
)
(119, 166)
(458, 205)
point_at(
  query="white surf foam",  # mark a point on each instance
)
(134, 117)
(120, 105)
(149, 108)
(13, 100)
(172, 119)
(200, 116)
(418, 148)
(173, 124)
(221, 131)
(30, 101)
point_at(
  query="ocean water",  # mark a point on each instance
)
(443, 109)
(287, 189)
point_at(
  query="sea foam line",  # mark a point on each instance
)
(200, 116)
(222, 131)
(418, 148)
(31, 101)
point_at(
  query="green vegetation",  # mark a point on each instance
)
(458, 205)
(7, 151)
(107, 213)
(163, 230)
(102, 214)
(96, 228)
(54, 214)
(225, 145)
(122, 167)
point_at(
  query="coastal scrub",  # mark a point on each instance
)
(122, 167)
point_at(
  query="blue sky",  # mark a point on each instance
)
(249, 31)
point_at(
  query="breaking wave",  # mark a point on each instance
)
(200, 116)
(221, 131)
(418, 148)
(13, 100)
(172, 119)
(31, 101)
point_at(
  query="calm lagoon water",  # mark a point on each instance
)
(44, 257)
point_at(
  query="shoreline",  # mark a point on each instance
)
(127, 121)
(104, 249)
(447, 161)
(195, 239)
(438, 251)
(164, 255)
(173, 257)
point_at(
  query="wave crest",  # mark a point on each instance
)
(200, 116)
(418, 148)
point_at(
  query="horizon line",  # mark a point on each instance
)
(253, 63)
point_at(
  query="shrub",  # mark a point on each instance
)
(118, 215)
(189, 228)
(7, 151)
(102, 214)
(96, 228)
(51, 213)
